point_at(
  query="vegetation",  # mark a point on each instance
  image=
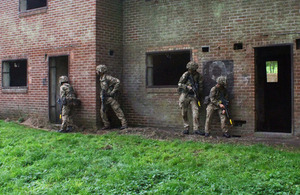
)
(40, 162)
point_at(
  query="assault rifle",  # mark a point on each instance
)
(103, 100)
(61, 102)
(225, 103)
(195, 89)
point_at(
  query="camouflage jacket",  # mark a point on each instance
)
(186, 80)
(216, 94)
(67, 91)
(109, 85)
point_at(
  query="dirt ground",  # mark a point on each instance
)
(170, 134)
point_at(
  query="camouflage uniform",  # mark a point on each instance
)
(67, 93)
(109, 87)
(215, 95)
(187, 97)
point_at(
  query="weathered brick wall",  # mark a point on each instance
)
(109, 43)
(160, 25)
(64, 28)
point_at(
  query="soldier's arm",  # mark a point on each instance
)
(62, 91)
(116, 84)
(212, 96)
(200, 84)
(182, 82)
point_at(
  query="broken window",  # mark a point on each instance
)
(14, 73)
(272, 71)
(165, 68)
(32, 4)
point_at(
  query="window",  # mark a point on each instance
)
(238, 46)
(14, 73)
(32, 4)
(272, 71)
(165, 68)
(205, 48)
(297, 43)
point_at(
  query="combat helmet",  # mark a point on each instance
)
(63, 79)
(221, 80)
(101, 68)
(192, 65)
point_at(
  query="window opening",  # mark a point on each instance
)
(238, 46)
(14, 73)
(297, 43)
(272, 71)
(165, 68)
(32, 4)
(205, 49)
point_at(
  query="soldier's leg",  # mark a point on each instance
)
(184, 111)
(209, 112)
(65, 112)
(224, 127)
(118, 111)
(195, 113)
(104, 118)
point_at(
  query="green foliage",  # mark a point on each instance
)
(40, 162)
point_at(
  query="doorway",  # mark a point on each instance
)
(273, 89)
(58, 66)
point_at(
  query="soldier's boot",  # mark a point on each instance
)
(186, 132)
(62, 131)
(226, 135)
(198, 132)
(123, 127)
(69, 129)
(105, 128)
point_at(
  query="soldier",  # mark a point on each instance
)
(190, 89)
(66, 96)
(109, 87)
(217, 93)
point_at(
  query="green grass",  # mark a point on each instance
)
(39, 162)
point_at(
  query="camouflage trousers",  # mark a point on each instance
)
(209, 112)
(116, 108)
(184, 102)
(66, 119)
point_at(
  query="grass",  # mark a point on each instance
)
(39, 162)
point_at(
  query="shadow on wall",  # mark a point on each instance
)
(214, 69)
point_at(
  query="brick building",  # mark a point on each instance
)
(147, 43)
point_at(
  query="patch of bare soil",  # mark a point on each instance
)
(170, 134)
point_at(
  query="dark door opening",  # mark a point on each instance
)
(58, 66)
(273, 89)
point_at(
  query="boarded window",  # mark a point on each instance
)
(14, 73)
(165, 68)
(32, 4)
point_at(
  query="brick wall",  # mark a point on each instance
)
(160, 25)
(63, 28)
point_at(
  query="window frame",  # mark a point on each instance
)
(2, 75)
(22, 10)
(150, 66)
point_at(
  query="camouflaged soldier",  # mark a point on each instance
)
(109, 86)
(217, 93)
(66, 96)
(190, 89)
